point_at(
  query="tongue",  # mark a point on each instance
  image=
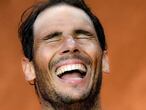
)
(71, 77)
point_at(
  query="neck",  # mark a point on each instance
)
(82, 105)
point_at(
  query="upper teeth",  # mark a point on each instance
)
(70, 67)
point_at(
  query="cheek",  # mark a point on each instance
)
(93, 50)
(43, 56)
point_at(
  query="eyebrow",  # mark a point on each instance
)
(51, 35)
(81, 31)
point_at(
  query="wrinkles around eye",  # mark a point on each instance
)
(53, 37)
(82, 36)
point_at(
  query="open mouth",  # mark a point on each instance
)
(71, 72)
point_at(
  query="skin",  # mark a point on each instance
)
(64, 35)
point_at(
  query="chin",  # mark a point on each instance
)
(71, 97)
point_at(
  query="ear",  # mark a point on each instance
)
(28, 69)
(105, 63)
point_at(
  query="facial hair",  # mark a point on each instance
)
(49, 95)
(92, 102)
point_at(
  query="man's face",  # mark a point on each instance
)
(67, 54)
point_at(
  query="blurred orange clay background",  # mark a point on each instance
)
(124, 88)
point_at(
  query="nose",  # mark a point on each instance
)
(69, 45)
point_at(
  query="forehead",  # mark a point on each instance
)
(59, 13)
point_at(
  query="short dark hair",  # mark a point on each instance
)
(29, 16)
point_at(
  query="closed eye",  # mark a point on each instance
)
(53, 36)
(83, 34)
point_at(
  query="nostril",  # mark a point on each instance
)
(75, 50)
(69, 51)
(65, 51)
